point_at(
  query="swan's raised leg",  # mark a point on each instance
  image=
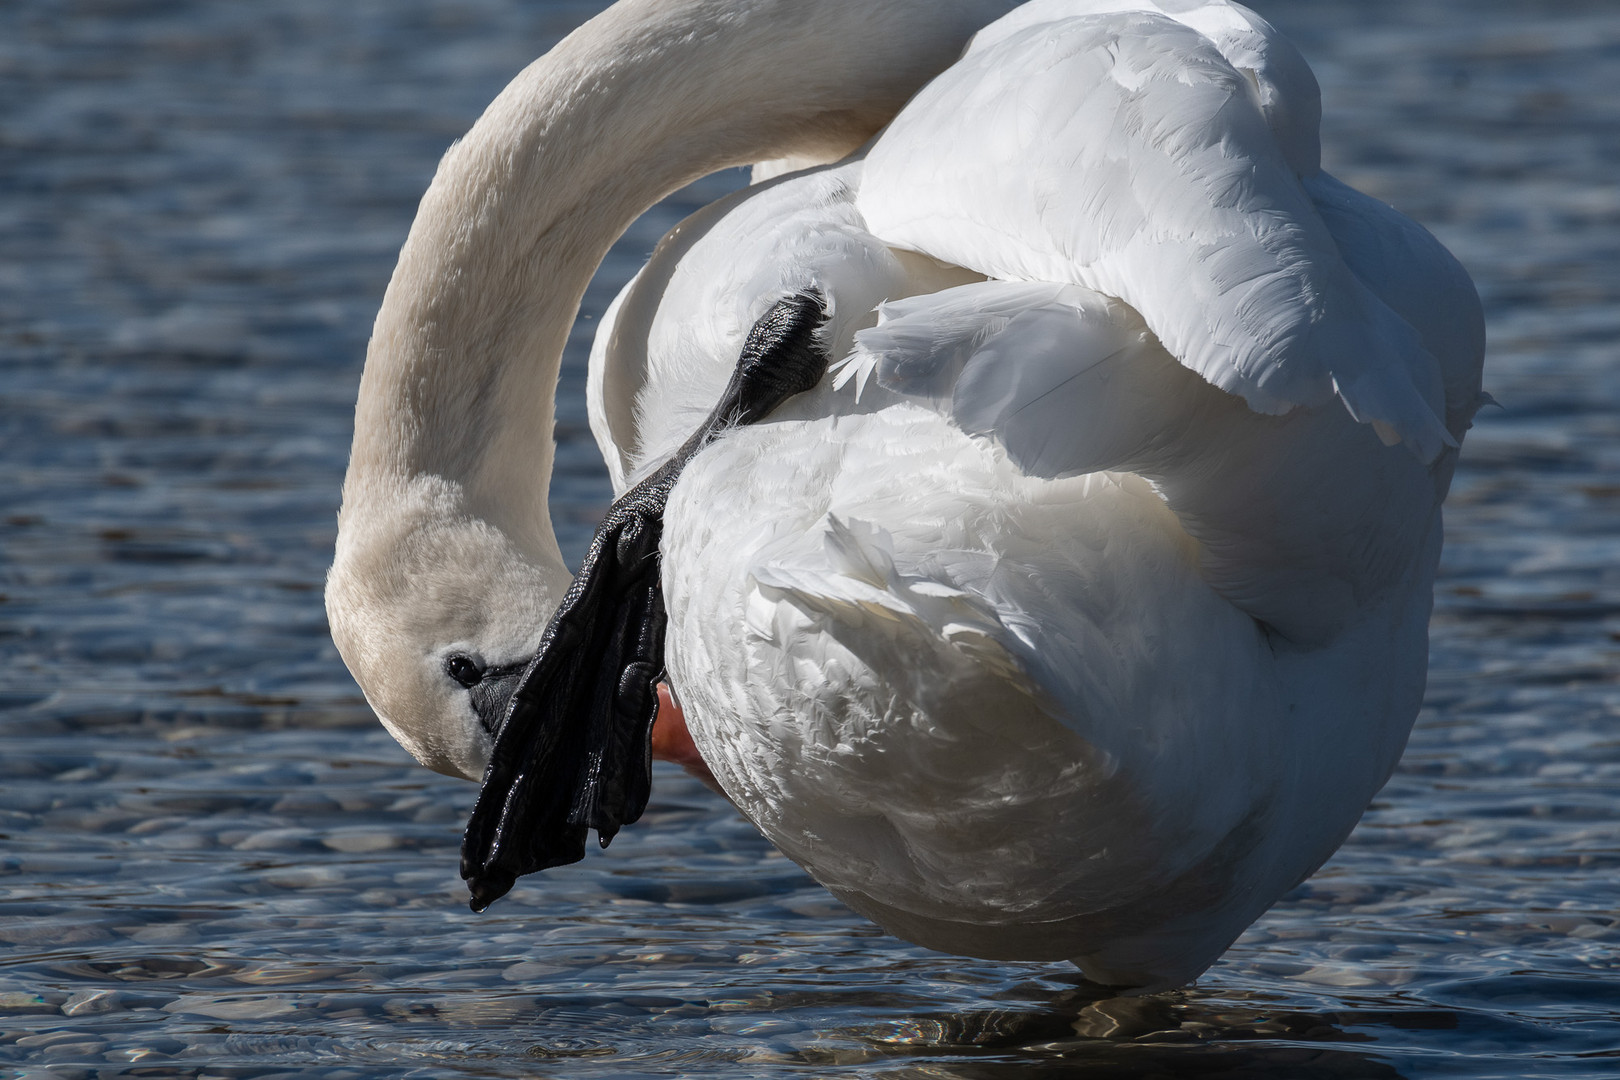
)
(573, 752)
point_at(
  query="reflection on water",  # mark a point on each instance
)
(214, 862)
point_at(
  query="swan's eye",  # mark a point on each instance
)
(465, 670)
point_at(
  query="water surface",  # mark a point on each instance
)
(213, 862)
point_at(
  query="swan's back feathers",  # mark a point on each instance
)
(1148, 171)
(1285, 87)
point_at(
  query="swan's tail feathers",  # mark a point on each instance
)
(1391, 381)
(1420, 288)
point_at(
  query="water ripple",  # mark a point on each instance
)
(214, 863)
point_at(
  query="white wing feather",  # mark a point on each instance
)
(1049, 370)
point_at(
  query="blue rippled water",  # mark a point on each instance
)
(214, 863)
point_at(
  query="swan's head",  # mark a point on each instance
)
(436, 611)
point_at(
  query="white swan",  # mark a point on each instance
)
(1082, 612)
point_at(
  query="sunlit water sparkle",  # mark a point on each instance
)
(213, 862)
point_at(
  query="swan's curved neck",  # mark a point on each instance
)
(462, 367)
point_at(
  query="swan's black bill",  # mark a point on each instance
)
(574, 752)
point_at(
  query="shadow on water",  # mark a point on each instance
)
(1043, 1030)
(1107, 1036)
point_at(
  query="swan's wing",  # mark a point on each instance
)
(1146, 170)
(615, 372)
(619, 371)
(1299, 519)
(1067, 380)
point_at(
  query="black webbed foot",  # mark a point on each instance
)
(574, 751)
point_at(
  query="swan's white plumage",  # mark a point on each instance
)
(902, 647)
(1148, 172)
(1006, 716)
(997, 697)
(1081, 613)
(1284, 86)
